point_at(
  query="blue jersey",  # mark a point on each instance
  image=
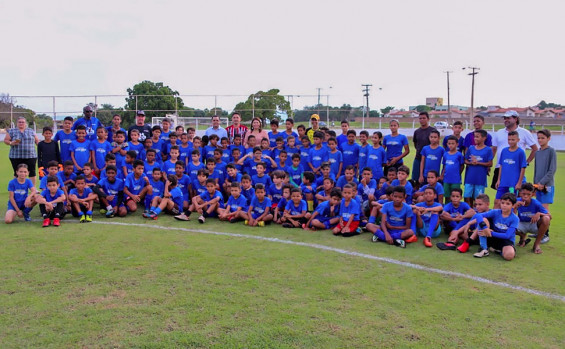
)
(259, 207)
(291, 151)
(503, 227)
(241, 148)
(324, 210)
(477, 174)
(320, 180)
(177, 197)
(20, 190)
(50, 197)
(158, 187)
(365, 190)
(165, 136)
(335, 159)
(363, 153)
(408, 187)
(169, 167)
(394, 217)
(276, 155)
(250, 166)
(376, 159)
(135, 185)
(110, 130)
(453, 211)
(318, 156)
(148, 168)
(81, 151)
(275, 193)
(511, 163)
(87, 191)
(295, 175)
(207, 197)
(226, 156)
(185, 153)
(217, 175)
(342, 138)
(137, 148)
(248, 193)
(342, 181)
(273, 138)
(350, 154)
(91, 125)
(308, 189)
(240, 202)
(428, 215)
(438, 187)
(121, 159)
(183, 183)
(100, 151)
(433, 159)
(208, 152)
(221, 169)
(65, 140)
(192, 169)
(265, 180)
(452, 165)
(294, 210)
(158, 147)
(43, 182)
(236, 178)
(394, 146)
(198, 188)
(93, 180)
(62, 178)
(525, 213)
(460, 144)
(305, 158)
(349, 211)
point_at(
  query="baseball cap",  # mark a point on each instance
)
(140, 112)
(86, 109)
(315, 116)
(511, 113)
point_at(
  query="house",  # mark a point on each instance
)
(402, 114)
(527, 112)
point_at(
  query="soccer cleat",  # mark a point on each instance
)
(428, 241)
(545, 239)
(261, 223)
(27, 217)
(400, 243)
(201, 219)
(152, 215)
(375, 238)
(411, 239)
(82, 219)
(110, 214)
(46, 222)
(481, 253)
(446, 246)
(182, 217)
(464, 247)
(88, 218)
(147, 214)
(56, 222)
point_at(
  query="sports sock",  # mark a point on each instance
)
(432, 225)
(89, 213)
(372, 219)
(157, 210)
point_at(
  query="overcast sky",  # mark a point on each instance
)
(238, 47)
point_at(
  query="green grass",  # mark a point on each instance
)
(99, 285)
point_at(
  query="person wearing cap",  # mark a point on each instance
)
(500, 140)
(140, 125)
(89, 121)
(216, 129)
(315, 121)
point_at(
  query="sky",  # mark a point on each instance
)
(402, 48)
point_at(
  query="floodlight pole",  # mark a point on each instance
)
(448, 99)
(366, 95)
(473, 73)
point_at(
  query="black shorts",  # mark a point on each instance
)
(499, 244)
(494, 178)
(29, 162)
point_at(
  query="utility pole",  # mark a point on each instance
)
(318, 105)
(366, 95)
(473, 73)
(448, 99)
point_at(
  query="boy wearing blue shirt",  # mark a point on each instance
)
(396, 220)
(325, 173)
(112, 189)
(376, 156)
(127, 167)
(277, 214)
(170, 203)
(363, 150)
(342, 138)
(150, 164)
(432, 182)
(295, 171)
(305, 152)
(348, 177)
(366, 191)
(453, 165)
(194, 165)
(19, 202)
(326, 215)
(534, 218)
(51, 203)
(426, 217)
(99, 149)
(169, 165)
(454, 216)
(275, 189)
(308, 189)
(250, 161)
(80, 149)
(274, 134)
(158, 186)
(395, 143)
(350, 151)
(295, 213)
(402, 179)
(120, 148)
(82, 199)
(431, 156)
(207, 204)
(259, 211)
(478, 159)
(135, 145)
(459, 140)
(183, 183)
(291, 146)
(335, 158)
(513, 165)
(349, 212)
(65, 137)
(247, 189)
(165, 152)
(261, 177)
(231, 176)
(236, 207)
(185, 149)
(136, 186)
(212, 145)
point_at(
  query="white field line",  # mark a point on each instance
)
(356, 254)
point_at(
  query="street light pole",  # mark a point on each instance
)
(366, 95)
(448, 99)
(473, 73)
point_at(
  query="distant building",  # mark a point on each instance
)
(453, 107)
(433, 102)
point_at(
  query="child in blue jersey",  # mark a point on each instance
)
(335, 158)
(112, 193)
(166, 151)
(350, 214)
(157, 143)
(120, 148)
(326, 215)
(127, 167)
(308, 189)
(170, 202)
(454, 216)
(88, 173)
(135, 145)
(279, 210)
(478, 159)
(457, 128)
(396, 145)
(274, 134)
(350, 151)
(276, 153)
(402, 179)
(342, 138)
(325, 172)
(534, 218)
(237, 145)
(251, 145)
(212, 145)
(296, 210)
(318, 154)
(376, 156)
(250, 161)
(232, 175)
(513, 165)
(348, 177)
(305, 152)
(396, 220)
(453, 165)
(110, 160)
(150, 162)
(169, 165)
(65, 137)
(291, 147)
(366, 190)
(194, 165)
(236, 207)
(363, 151)
(259, 211)
(82, 199)
(66, 181)
(207, 204)
(183, 183)
(288, 132)
(295, 171)
(136, 186)
(432, 156)
(53, 170)
(274, 191)
(261, 177)
(432, 182)
(235, 156)
(324, 190)
(247, 189)
(426, 217)
(99, 149)
(51, 203)
(166, 130)
(80, 149)
(225, 150)
(283, 163)
(220, 166)
(158, 186)
(20, 195)
(185, 149)
(501, 235)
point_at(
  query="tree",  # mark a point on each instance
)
(422, 108)
(106, 112)
(265, 105)
(386, 110)
(154, 98)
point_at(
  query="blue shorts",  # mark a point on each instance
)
(423, 231)
(457, 225)
(394, 234)
(21, 206)
(473, 190)
(503, 190)
(546, 198)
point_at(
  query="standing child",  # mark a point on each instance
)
(80, 153)
(350, 212)
(288, 132)
(432, 156)
(47, 150)
(51, 203)
(65, 137)
(544, 170)
(295, 213)
(115, 127)
(165, 152)
(295, 171)
(134, 144)
(350, 151)
(81, 198)
(157, 143)
(460, 140)
(335, 158)
(342, 138)
(305, 152)
(150, 162)
(478, 159)
(274, 134)
(185, 149)
(396, 146)
(99, 148)
(169, 165)
(376, 156)
(291, 147)
(453, 165)
(236, 207)
(363, 151)
(513, 165)
(19, 204)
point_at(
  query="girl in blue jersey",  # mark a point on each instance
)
(376, 156)
(396, 146)
(20, 192)
(80, 149)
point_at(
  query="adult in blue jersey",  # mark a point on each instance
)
(89, 121)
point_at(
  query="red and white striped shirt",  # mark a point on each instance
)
(232, 131)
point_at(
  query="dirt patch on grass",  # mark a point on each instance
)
(118, 294)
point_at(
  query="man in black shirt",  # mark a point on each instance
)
(140, 125)
(421, 138)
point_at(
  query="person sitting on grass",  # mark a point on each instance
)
(207, 204)
(136, 186)
(236, 207)
(259, 209)
(158, 188)
(82, 199)
(376, 206)
(51, 203)
(326, 215)
(19, 202)
(534, 218)
(433, 182)
(402, 173)
(350, 212)
(279, 210)
(112, 190)
(396, 220)
(500, 235)
(454, 216)
(170, 203)
(426, 217)
(296, 210)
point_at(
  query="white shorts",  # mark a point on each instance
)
(528, 227)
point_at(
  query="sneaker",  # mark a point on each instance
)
(375, 238)
(147, 214)
(56, 222)
(411, 239)
(400, 243)
(261, 223)
(110, 214)
(152, 215)
(182, 217)
(82, 219)
(446, 246)
(464, 247)
(287, 225)
(428, 241)
(545, 239)
(201, 219)
(27, 217)
(481, 253)
(46, 222)
(88, 218)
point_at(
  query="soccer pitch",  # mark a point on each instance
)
(164, 283)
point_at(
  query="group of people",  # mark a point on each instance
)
(308, 178)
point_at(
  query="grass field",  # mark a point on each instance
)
(165, 284)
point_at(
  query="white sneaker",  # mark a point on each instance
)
(481, 253)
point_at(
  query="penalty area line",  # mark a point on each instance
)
(354, 254)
